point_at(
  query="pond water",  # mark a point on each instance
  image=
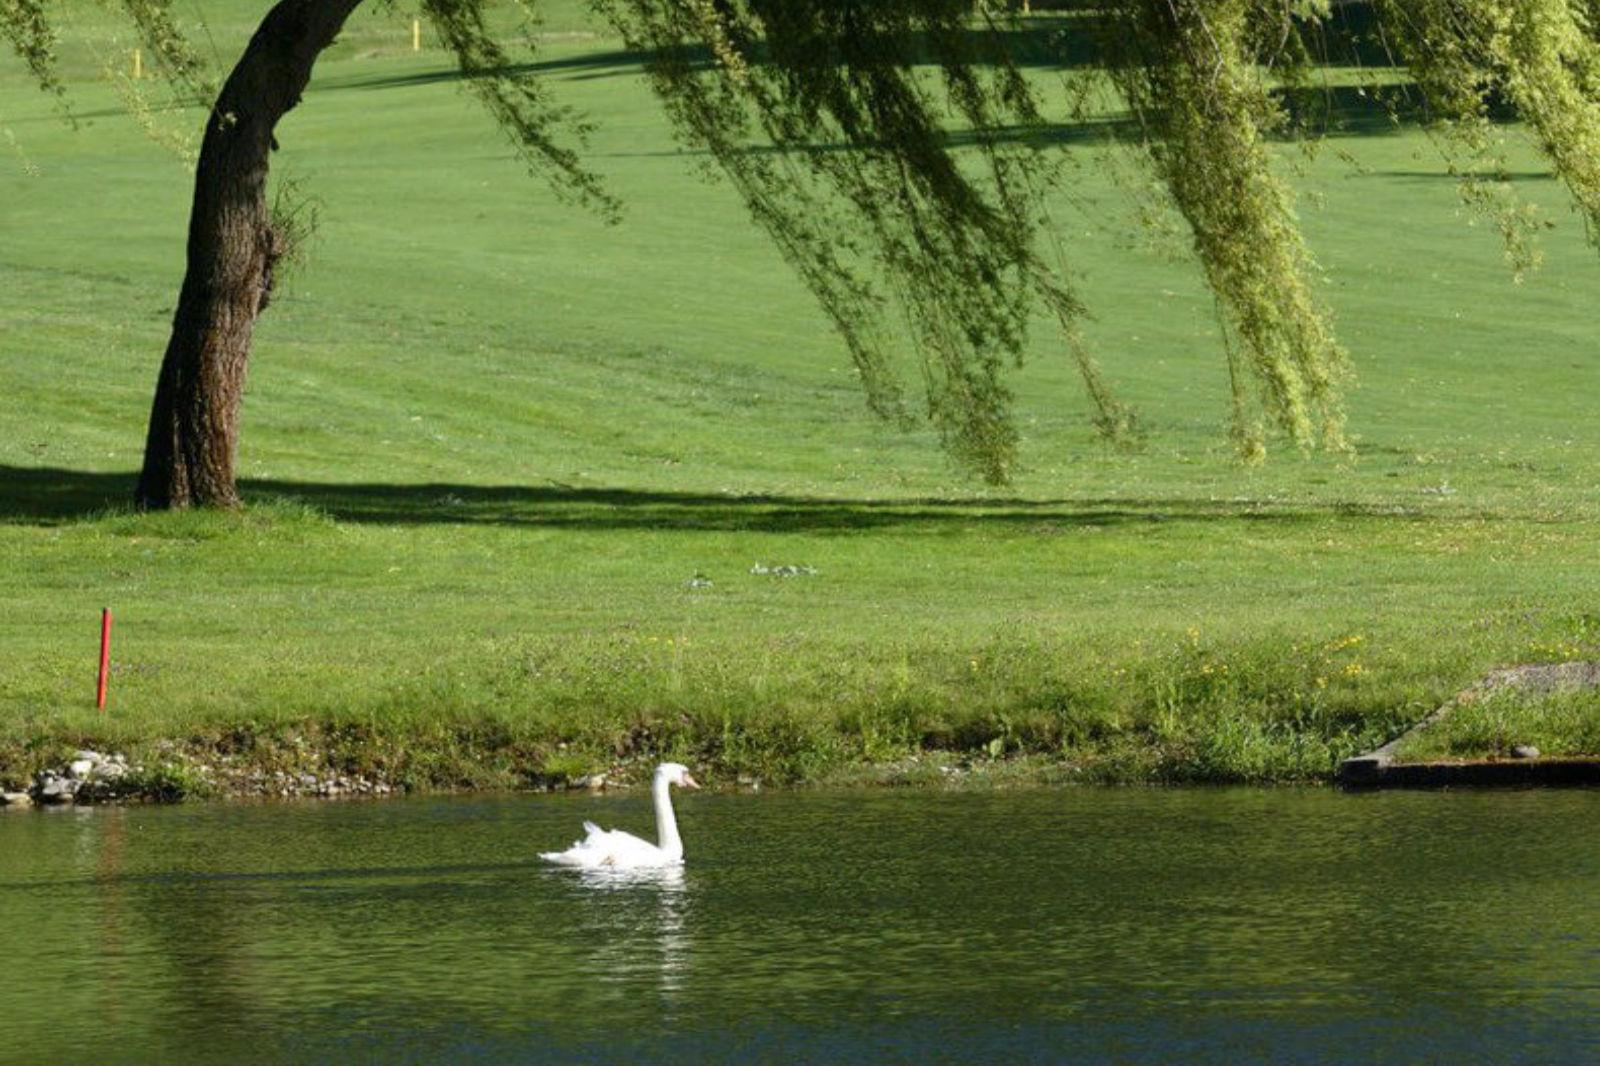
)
(1081, 925)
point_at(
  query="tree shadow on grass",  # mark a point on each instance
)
(1316, 111)
(1063, 43)
(54, 496)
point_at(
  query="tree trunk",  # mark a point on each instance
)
(194, 422)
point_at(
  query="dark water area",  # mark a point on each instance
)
(1075, 925)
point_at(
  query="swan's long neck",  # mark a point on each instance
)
(666, 822)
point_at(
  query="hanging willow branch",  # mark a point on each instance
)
(168, 46)
(24, 24)
(1540, 56)
(1188, 71)
(517, 100)
(830, 119)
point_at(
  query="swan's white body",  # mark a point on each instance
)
(613, 849)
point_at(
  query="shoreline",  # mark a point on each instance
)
(185, 773)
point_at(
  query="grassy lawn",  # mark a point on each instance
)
(490, 443)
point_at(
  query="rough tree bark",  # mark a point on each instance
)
(194, 422)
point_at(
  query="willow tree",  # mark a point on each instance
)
(934, 215)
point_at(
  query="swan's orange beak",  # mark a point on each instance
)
(690, 782)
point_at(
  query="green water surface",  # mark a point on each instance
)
(1044, 926)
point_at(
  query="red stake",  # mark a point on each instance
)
(105, 657)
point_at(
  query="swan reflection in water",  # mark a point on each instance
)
(635, 921)
(666, 882)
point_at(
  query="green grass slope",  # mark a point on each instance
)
(490, 443)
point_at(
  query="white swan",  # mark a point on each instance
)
(614, 849)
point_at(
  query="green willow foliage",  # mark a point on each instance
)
(891, 150)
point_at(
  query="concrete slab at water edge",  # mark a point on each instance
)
(1378, 768)
(1499, 773)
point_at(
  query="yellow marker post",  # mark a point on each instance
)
(138, 65)
(416, 35)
